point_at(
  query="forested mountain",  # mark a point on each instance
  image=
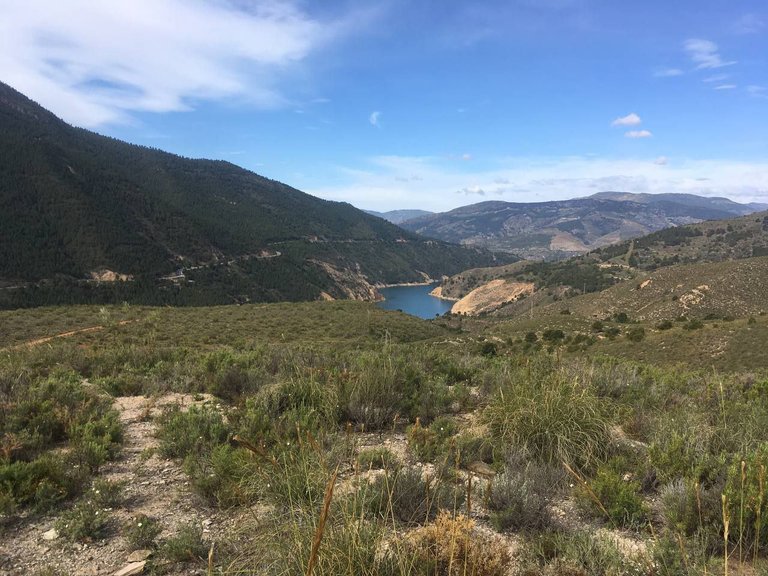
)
(565, 228)
(74, 203)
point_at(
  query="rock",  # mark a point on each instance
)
(52, 534)
(131, 569)
(139, 555)
(482, 469)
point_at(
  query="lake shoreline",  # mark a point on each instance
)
(414, 299)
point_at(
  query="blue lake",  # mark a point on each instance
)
(414, 300)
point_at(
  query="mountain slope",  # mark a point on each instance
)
(563, 228)
(73, 203)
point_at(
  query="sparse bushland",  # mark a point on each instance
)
(657, 448)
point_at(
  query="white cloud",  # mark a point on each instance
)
(628, 120)
(757, 91)
(532, 179)
(97, 62)
(638, 134)
(661, 161)
(725, 87)
(466, 157)
(716, 78)
(705, 54)
(374, 118)
(668, 73)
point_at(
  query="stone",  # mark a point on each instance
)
(52, 534)
(481, 469)
(131, 569)
(139, 555)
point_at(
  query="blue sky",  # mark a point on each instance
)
(417, 104)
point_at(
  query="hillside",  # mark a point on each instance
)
(712, 241)
(558, 229)
(79, 208)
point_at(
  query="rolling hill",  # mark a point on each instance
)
(78, 209)
(559, 229)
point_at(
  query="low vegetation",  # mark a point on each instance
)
(374, 443)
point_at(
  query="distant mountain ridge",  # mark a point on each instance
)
(556, 229)
(399, 216)
(77, 208)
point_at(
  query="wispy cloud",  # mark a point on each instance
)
(725, 87)
(705, 54)
(716, 78)
(472, 191)
(668, 73)
(661, 161)
(95, 63)
(374, 118)
(628, 120)
(757, 91)
(748, 24)
(638, 134)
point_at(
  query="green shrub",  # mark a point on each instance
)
(664, 325)
(141, 531)
(186, 546)
(553, 335)
(618, 497)
(106, 493)
(432, 442)
(84, 522)
(42, 483)
(195, 431)
(636, 334)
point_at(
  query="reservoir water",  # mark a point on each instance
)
(414, 300)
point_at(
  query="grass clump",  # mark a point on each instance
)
(408, 497)
(377, 458)
(555, 420)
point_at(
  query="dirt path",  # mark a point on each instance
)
(153, 486)
(38, 341)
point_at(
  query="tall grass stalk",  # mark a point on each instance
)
(321, 524)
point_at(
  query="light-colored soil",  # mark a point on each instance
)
(153, 486)
(490, 296)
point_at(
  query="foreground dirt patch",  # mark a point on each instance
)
(153, 486)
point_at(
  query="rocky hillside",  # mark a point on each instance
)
(552, 230)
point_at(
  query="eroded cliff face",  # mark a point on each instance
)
(491, 296)
(348, 284)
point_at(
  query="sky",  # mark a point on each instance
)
(428, 104)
